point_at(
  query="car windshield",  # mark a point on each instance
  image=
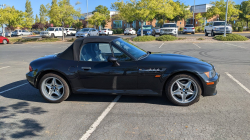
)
(219, 23)
(189, 26)
(134, 51)
(169, 25)
(84, 30)
(146, 27)
(50, 29)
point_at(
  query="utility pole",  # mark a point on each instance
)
(193, 13)
(87, 15)
(225, 28)
(3, 31)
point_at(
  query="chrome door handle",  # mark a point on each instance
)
(86, 68)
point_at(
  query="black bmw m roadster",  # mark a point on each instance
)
(110, 65)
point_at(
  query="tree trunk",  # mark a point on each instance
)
(10, 33)
(142, 28)
(247, 25)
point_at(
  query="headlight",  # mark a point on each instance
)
(149, 32)
(210, 74)
(215, 28)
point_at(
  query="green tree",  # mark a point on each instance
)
(43, 14)
(29, 20)
(185, 12)
(219, 8)
(37, 20)
(96, 19)
(12, 18)
(139, 10)
(199, 18)
(103, 10)
(244, 7)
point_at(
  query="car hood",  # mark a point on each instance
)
(174, 58)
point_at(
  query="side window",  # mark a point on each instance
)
(207, 24)
(56, 29)
(60, 29)
(120, 55)
(211, 23)
(95, 52)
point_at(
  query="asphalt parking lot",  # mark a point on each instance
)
(24, 114)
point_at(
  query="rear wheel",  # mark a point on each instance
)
(183, 90)
(5, 41)
(54, 88)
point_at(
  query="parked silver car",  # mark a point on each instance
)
(85, 32)
(189, 28)
(21, 33)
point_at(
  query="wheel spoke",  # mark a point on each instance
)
(177, 92)
(188, 85)
(179, 84)
(183, 97)
(54, 81)
(50, 92)
(48, 86)
(59, 87)
(57, 93)
(190, 93)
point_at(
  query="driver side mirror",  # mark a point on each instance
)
(113, 60)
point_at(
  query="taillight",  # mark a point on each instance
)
(67, 31)
(185, 28)
(192, 28)
(104, 31)
(30, 68)
(130, 30)
(99, 31)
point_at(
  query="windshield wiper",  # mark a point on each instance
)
(145, 55)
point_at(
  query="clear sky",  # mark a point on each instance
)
(20, 4)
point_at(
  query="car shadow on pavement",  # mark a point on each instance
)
(29, 93)
(14, 126)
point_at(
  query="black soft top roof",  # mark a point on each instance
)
(72, 52)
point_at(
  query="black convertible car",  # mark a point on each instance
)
(110, 65)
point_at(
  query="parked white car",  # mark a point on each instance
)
(85, 32)
(105, 31)
(169, 29)
(52, 32)
(217, 28)
(70, 31)
(129, 31)
(21, 32)
(189, 28)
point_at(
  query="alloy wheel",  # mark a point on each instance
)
(52, 88)
(184, 90)
(5, 42)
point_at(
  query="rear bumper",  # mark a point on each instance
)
(210, 90)
(188, 31)
(170, 33)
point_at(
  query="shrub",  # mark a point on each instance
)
(231, 37)
(166, 38)
(197, 29)
(234, 28)
(240, 29)
(200, 38)
(144, 38)
(181, 29)
(114, 31)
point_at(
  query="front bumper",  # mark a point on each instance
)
(210, 90)
(168, 33)
(222, 32)
(31, 78)
(45, 35)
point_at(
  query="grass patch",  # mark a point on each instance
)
(72, 40)
(21, 40)
(144, 38)
(181, 38)
(49, 40)
(166, 38)
(231, 37)
(200, 38)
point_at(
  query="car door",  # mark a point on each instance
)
(98, 75)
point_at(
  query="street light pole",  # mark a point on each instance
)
(225, 28)
(193, 13)
(87, 15)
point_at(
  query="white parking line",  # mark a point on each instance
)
(13, 88)
(234, 45)
(197, 45)
(4, 67)
(230, 76)
(99, 119)
(161, 45)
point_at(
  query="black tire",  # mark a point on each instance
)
(88, 35)
(171, 82)
(212, 33)
(65, 84)
(192, 32)
(52, 36)
(206, 34)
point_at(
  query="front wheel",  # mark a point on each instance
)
(5, 41)
(54, 88)
(183, 90)
(212, 33)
